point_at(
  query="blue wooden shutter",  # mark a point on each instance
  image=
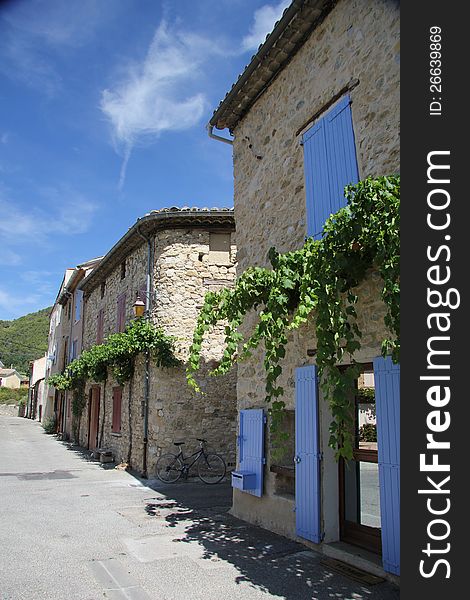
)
(251, 440)
(307, 459)
(387, 398)
(330, 164)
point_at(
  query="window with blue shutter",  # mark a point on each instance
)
(249, 477)
(387, 398)
(330, 164)
(307, 455)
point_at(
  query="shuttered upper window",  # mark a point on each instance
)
(121, 313)
(78, 305)
(330, 164)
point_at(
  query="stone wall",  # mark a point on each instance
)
(357, 40)
(184, 270)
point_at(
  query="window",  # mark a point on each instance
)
(78, 305)
(123, 269)
(283, 464)
(102, 289)
(100, 326)
(117, 396)
(330, 164)
(219, 248)
(121, 313)
(73, 349)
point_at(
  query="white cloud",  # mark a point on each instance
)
(55, 22)
(263, 23)
(162, 93)
(9, 258)
(65, 212)
(13, 305)
(4, 137)
(35, 32)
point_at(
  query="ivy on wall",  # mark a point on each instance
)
(318, 284)
(116, 357)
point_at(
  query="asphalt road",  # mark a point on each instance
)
(73, 530)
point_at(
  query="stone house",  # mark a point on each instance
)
(65, 343)
(317, 108)
(169, 259)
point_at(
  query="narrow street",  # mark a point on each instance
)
(73, 529)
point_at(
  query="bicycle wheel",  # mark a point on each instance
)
(211, 468)
(169, 468)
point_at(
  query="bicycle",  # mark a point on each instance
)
(211, 467)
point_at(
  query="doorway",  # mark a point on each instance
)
(93, 417)
(359, 495)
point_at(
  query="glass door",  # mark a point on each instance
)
(359, 478)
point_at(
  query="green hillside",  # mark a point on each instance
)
(24, 339)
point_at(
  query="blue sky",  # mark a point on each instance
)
(103, 106)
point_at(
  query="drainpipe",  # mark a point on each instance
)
(212, 135)
(147, 354)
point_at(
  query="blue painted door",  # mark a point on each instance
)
(330, 163)
(307, 455)
(387, 398)
(251, 442)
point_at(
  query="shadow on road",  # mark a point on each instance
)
(285, 569)
(266, 561)
(84, 454)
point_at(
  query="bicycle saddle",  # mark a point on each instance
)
(201, 440)
(178, 443)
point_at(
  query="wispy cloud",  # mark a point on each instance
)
(9, 258)
(32, 33)
(65, 212)
(161, 93)
(13, 304)
(263, 22)
(55, 22)
(4, 137)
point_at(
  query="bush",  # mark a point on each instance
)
(13, 396)
(50, 425)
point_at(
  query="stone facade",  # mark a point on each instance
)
(184, 268)
(357, 40)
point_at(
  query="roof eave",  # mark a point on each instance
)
(148, 224)
(225, 116)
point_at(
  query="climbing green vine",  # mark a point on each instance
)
(319, 283)
(117, 357)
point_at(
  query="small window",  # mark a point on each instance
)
(117, 396)
(103, 289)
(282, 458)
(219, 248)
(123, 269)
(121, 313)
(78, 305)
(73, 349)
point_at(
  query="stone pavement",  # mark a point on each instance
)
(70, 528)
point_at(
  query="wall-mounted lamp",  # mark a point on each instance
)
(139, 307)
